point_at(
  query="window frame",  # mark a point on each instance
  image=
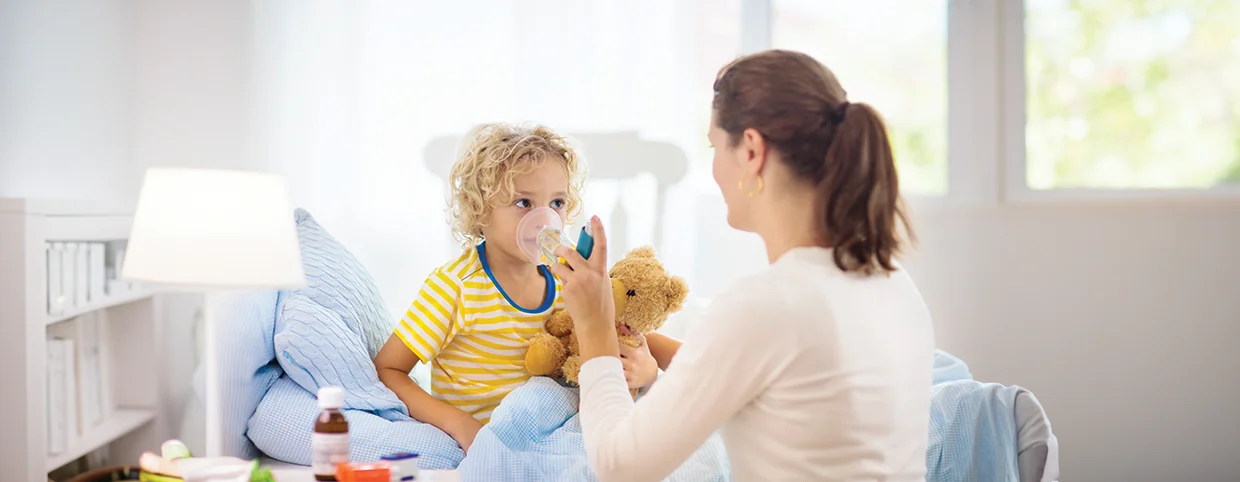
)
(986, 113)
(971, 98)
(1017, 190)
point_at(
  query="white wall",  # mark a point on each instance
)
(1123, 320)
(193, 84)
(95, 91)
(66, 98)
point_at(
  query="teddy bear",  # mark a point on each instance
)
(645, 294)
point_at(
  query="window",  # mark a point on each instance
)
(891, 54)
(1132, 94)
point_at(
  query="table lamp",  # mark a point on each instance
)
(211, 230)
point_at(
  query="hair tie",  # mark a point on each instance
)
(837, 114)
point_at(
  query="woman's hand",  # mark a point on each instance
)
(640, 367)
(587, 292)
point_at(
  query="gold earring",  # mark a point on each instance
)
(741, 186)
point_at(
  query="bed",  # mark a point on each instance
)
(275, 348)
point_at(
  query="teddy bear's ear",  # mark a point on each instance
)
(641, 252)
(677, 290)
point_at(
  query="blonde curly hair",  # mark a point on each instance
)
(495, 154)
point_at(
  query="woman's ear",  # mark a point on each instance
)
(754, 151)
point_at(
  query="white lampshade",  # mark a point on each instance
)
(214, 229)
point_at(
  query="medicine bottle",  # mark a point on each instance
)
(330, 442)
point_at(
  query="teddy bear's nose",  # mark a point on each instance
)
(631, 293)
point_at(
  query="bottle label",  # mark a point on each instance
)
(329, 450)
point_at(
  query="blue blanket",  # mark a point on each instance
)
(280, 428)
(535, 434)
(972, 426)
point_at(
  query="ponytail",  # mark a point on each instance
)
(842, 149)
(859, 206)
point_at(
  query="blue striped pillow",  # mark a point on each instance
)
(338, 289)
(328, 332)
(336, 281)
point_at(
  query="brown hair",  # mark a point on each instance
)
(802, 112)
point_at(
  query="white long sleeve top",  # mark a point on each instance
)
(811, 372)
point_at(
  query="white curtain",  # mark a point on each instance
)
(350, 93)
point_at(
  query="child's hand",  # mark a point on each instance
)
(640, 368)
(463, 430)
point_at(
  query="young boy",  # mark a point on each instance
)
(474, 316)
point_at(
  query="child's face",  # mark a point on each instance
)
(546, 185)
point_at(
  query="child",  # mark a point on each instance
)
(474, 316)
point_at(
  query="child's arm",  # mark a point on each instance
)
(663, 348)
(394, 362)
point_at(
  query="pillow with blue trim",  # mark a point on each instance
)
(337, 281)
(327, 333)
(316, 350)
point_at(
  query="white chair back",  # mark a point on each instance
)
(611, 156)
(1038, 449)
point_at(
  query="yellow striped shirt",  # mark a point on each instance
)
(474, 337)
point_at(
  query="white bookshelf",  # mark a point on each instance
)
(115, 300)
(120, 423)
(128, 334)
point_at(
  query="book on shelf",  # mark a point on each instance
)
(98, 271)
(107, 403)
(90, 376)
(72, 405)
(81, 274)
(55, 292)
(57, 423)
(77, 399)
(68, 262)
(119, 285)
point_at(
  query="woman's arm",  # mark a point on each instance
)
(394, 362)
(724, 368)
(663, 348)
(719, 372)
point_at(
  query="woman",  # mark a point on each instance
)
(818, 368)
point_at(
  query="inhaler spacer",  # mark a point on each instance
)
(539, 233)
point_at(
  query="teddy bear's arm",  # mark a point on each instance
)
(559, 323)
(545, 355)
(572, 366)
